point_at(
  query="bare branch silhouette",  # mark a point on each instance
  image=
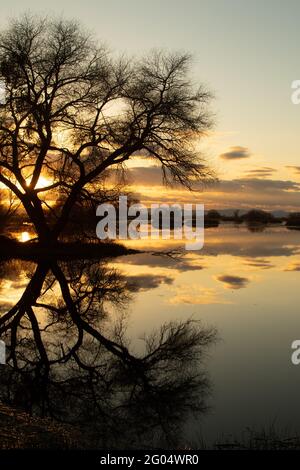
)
(58, 119)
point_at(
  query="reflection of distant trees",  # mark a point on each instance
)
(251, 218)
(293, 220)
(256, 227)
(69, 358)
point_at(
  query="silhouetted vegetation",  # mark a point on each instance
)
(8, 208)
(253, 217)
(19, 430)
(266, 439)
(59, 86)
(72, 374)
(213, 215)
(69, 361)
(293, 220)
(258, 216)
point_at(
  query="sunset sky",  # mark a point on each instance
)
(247, 53)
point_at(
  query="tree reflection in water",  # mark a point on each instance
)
(69, 359)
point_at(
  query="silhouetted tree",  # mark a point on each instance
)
(8, 207)
(72, 112)
(293, 219)
(258, 216)
(69, 360)
(213, 214)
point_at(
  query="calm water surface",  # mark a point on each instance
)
(247, 285)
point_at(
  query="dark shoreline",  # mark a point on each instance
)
(35, 251)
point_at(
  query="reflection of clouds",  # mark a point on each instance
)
(260, 263)
(10, 292)
(14, 277)
(273, 242)
(11, 272)
(233, 282)
(255, 251)
(184, 263)
(293, 267)
(7, 284)
(15, 270)
(225, 240)
(227, 244)
(195, 295)
(147, 281)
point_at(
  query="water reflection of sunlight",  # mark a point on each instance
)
(24, 237)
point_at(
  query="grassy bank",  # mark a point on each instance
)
(18, 430)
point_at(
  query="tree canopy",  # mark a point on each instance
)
(72, 111)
